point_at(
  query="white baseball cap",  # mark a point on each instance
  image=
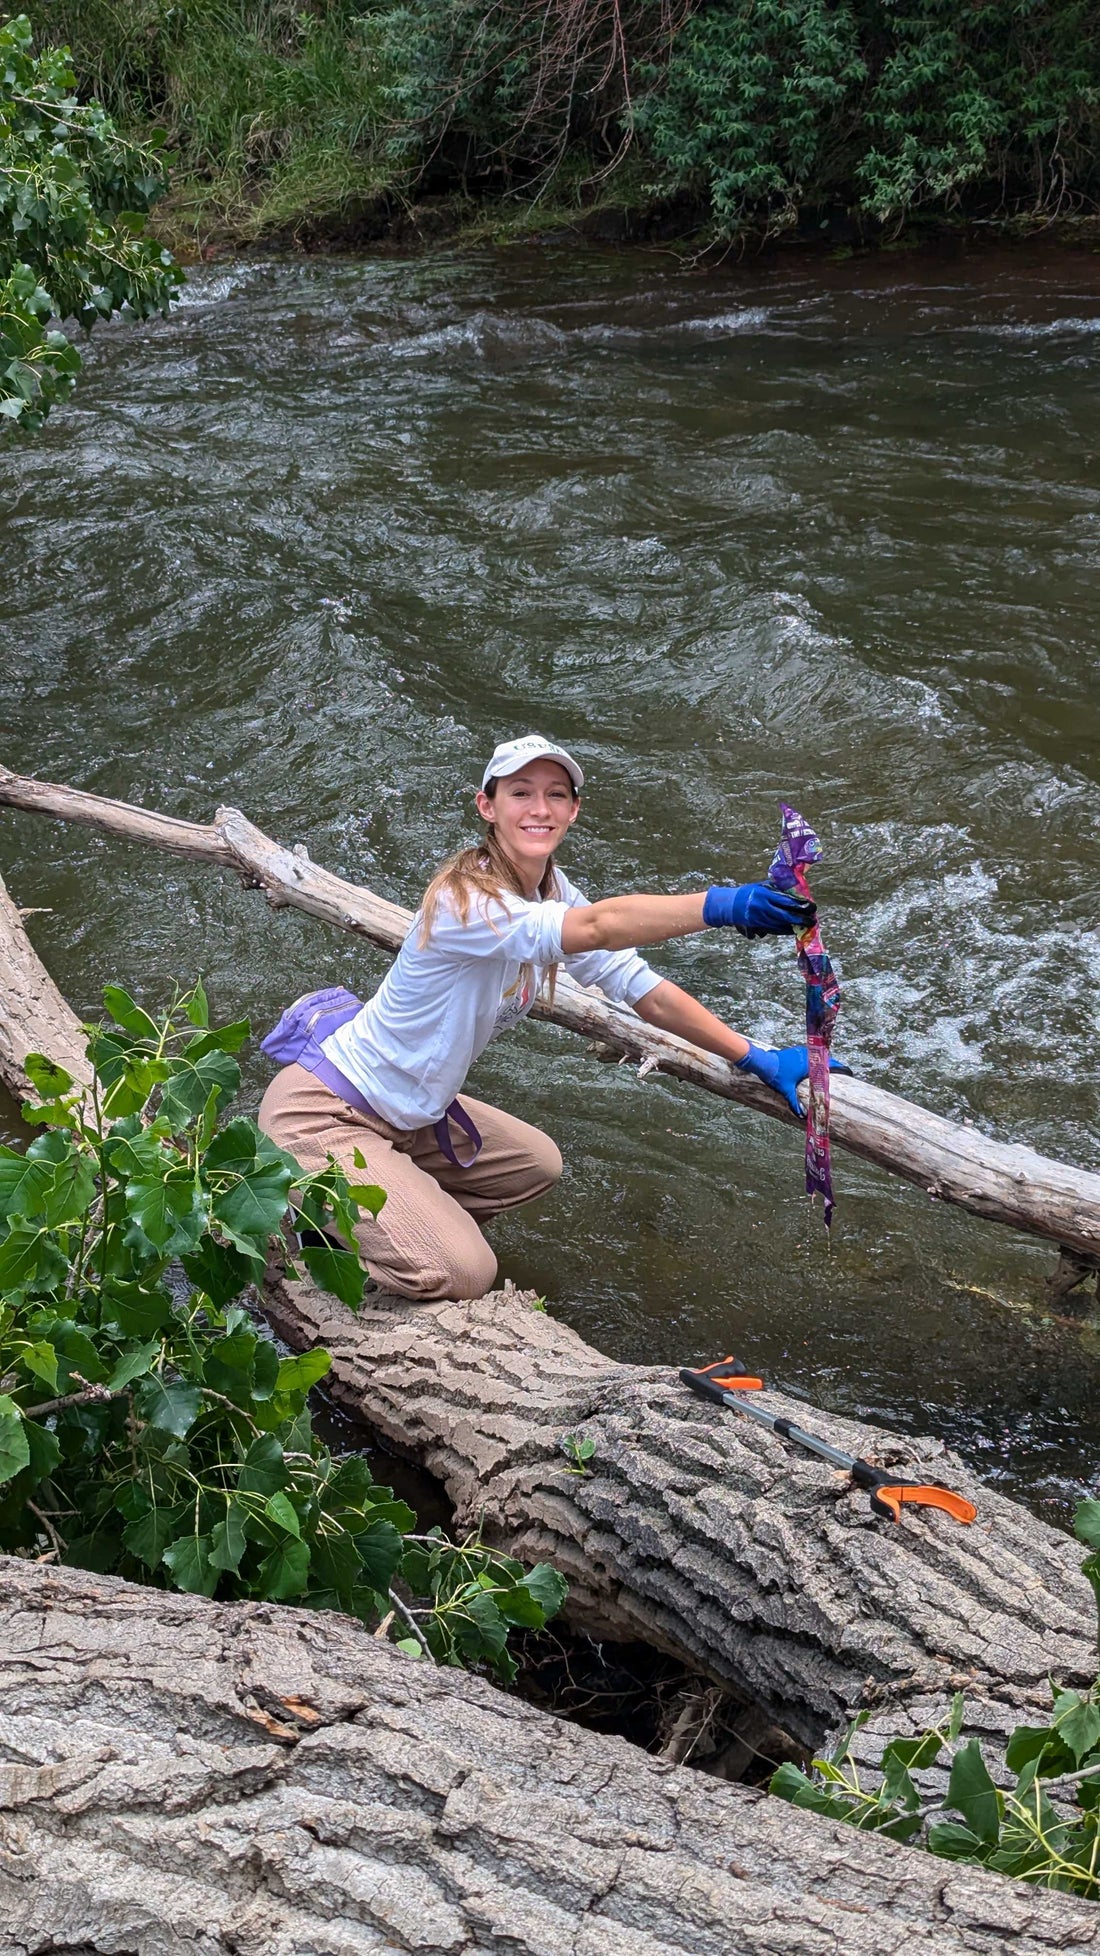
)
(511, 755)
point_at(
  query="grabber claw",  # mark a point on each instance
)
(727, 1373)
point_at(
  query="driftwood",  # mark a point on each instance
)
(186, 1778)
(1002, 1182)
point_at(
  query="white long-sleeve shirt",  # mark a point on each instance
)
(410, 1048)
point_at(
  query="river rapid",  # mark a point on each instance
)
(826, 532)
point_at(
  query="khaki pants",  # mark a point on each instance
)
(427, 1241)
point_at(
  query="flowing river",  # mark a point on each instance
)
(822, 531)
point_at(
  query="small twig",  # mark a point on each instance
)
(59, 1543)
(408, 1617)
(92, 1395)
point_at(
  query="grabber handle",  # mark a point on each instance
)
(889, 1492)
(717, 1380)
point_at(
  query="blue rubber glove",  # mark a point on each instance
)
(756, 910)
(782, 1068)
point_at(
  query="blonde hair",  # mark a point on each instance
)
(480, 874)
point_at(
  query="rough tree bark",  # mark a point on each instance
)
(1002, 1182)
(185, 1778)
(34, 1018)
(707, 1536)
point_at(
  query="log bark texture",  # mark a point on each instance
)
(1003, 1182)
(185, 1778)
(704, 1534)
(34, 1018)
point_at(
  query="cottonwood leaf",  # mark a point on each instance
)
(29, 1257)
(49, 1080)
(1078, 1724)
(955, 1843)
(168, 1213)
(1086, 1522)
(172, 1407)
(71, 1191)
(132, 1363)
(15, 1450)
(24, 1183)
(149, 1535)
(263, 1469)
(380, 1549)
(229, 1540)
(283, 1513)
(218, 1269)
(285, 1572)
(41, 1359)
(302, 1371)
(189, 1561)
(128, 1014)
(337, 1271)
(188, 1088)
(548, 1588)
(367, 1196)
(972, 1792)
(196, 1007)
(256, 1205)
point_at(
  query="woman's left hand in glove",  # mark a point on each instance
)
(782, 1068)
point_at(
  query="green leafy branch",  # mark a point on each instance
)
(148, 1425)
(1043, 1828)
(74, 197)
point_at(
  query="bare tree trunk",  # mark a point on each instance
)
(187, 1778)
(1003, 1182)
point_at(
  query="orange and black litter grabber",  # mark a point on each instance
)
(724, 1382)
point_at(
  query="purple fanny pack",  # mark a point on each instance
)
(297, 1041)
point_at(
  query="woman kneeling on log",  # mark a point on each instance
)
(383, 1079)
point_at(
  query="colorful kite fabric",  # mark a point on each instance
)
(798, 847)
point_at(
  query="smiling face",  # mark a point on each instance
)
(531, 811)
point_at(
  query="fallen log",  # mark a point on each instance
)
(1003, 1182)
(705, 1535)
(34, 1018)
(698, 1532)
(187, 1778)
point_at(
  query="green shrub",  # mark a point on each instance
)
(148, 1426)
(1044, 1825)
(73, 199)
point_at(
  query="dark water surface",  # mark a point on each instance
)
(825, 532)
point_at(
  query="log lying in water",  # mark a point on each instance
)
(706, 1536)
(1002, 1182)
(186, 1776)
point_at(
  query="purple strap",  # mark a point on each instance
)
(442, 1131)
(297, 1038)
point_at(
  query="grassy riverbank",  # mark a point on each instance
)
(349, 121)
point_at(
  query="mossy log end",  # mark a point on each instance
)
(705, 1535)
(187, 1778)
